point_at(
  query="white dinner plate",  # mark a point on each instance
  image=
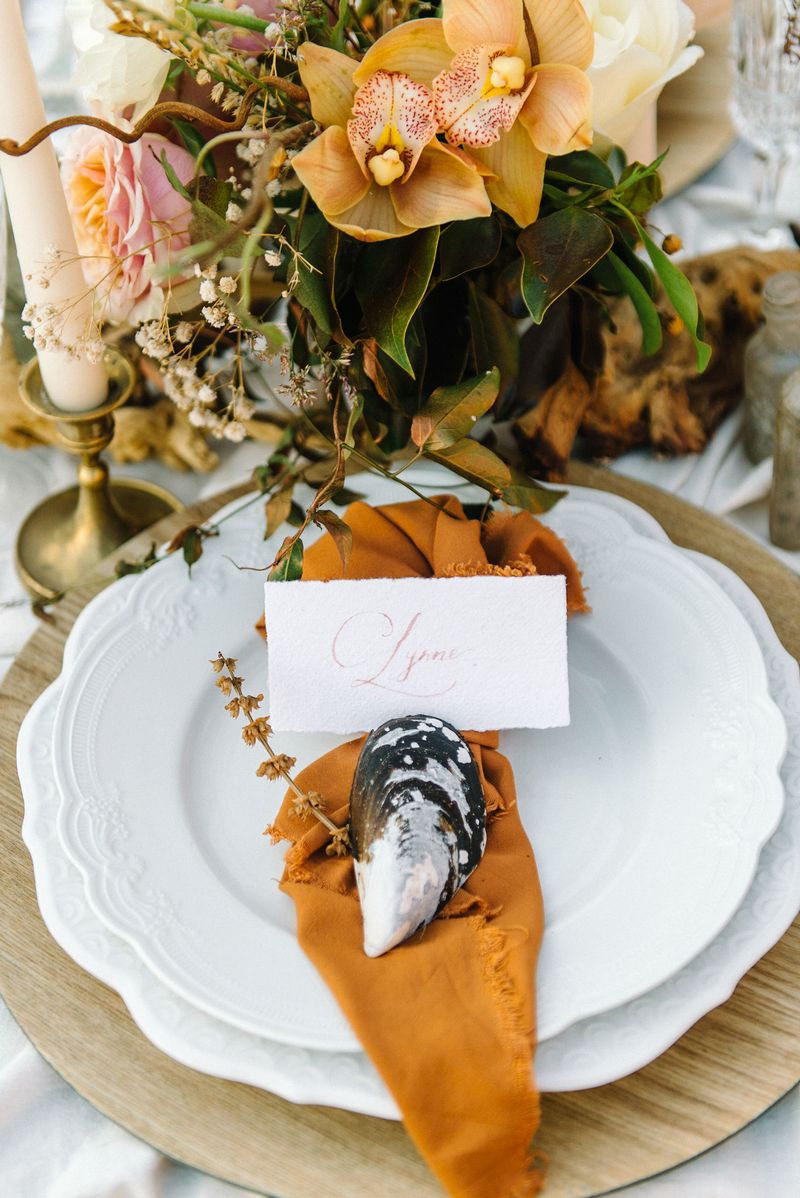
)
(594, 1052)
(647, 814)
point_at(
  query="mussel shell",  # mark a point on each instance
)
(417, 825)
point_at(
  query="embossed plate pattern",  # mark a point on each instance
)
(594, 1052)
(162, 814)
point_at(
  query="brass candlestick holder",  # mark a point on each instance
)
(64, 538)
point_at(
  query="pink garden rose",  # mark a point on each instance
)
(129, 220)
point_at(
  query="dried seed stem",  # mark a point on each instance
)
(279, 764)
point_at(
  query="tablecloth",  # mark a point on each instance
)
(53, 1144)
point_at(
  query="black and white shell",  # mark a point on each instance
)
(417, 825)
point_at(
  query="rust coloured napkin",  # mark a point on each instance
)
(448, 1018)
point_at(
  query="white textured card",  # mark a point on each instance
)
(480, 652)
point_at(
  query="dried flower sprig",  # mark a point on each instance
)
(257, 730)
(791, 47)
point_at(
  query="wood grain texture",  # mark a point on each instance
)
(732, 1065)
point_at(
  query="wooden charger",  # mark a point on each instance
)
(727, 1070)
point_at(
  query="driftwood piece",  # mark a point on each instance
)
(659, 402)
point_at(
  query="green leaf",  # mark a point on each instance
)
(208, 226)
(174, 181)
(190, 542)
(681, 296)
(215, 194)
(468, 245)
(192, 547)
(557, 251)
(341, 534)
(582, 167)
(338, 31)
(451, 412)
(319, 242)
(644, 187)
(191, 137)
(123, 568)
(391, 280)
(649, 319)
(289, 566)
(494, 336)
(476, 463)
(356, 412)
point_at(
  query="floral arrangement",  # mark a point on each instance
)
(397, 214)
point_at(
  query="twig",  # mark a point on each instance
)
(277, 765)
(169, 108)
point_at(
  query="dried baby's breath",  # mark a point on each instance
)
(275, 766)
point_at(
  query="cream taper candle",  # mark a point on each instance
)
(37, 208)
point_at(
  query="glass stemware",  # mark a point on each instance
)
(766, 95)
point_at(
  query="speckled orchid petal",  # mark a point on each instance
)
(391, 112)
(415, 48)
(463, 156)
(328, 77)
(442, 188)
(518, 168)
(558, 112)
(330, 173)
(468, 110)
(470, 23)
(562, 32)
(373, 218)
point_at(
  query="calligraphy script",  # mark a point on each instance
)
(394, 655)
(483, 652)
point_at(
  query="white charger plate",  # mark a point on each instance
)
(162, 813)
(594, 1052)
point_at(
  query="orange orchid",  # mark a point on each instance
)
(509, 85)
(377, 171)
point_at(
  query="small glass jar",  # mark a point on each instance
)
(784, 504)
(772, 354)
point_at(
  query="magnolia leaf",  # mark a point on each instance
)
(527, 494)
(468, 245)
(345, 496)
(319, 242)
(341, 533)
(476, 463)
(681, 295)
(450, 412)
(289, 566)
(296, 515)
(277, 510)
(391, 280)
(494, 336)
(557, 251)
(649, 319)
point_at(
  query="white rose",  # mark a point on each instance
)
(639, 45)
(114, 72)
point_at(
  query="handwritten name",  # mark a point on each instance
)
(389, 656)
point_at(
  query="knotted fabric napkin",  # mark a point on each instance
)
(448, 1018)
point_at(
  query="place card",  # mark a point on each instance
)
(484, 652)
